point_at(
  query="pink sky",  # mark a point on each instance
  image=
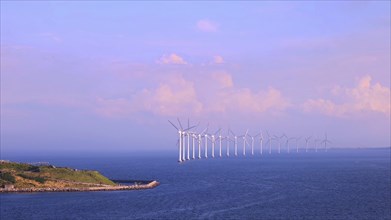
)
(73, 77)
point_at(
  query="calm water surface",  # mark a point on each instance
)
(340, 184)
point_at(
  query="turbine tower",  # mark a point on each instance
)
(269, 141)
(325, 141)
(252, 145)
(193, 137)
(228, 140)
(199, 146)
(206, 145)
(307, 139)
(188, 145)
(206, 141)
(260, 141)
(213, 145)
(316, 146)
(244, 142)
(220, 139)
(213, 139)
(235, 142)
(181, 132)
(279, 141)
(287, 143)
(297, 145)
(200, 142)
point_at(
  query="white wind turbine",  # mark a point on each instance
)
(269, 141)
(188, 145)
(279, 141)
(287, 143)
(235, 142)
(220, 141)
(181, 132)
(325, 141)
(297, 145)
(193, 137)
(213, 139)
(206, 142)
(228, 140)
(261, 142)
(200, 142)
(252, 144)
(316, 144)
(244, 142)
(307, 139)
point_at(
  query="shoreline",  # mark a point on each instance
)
(150, 185)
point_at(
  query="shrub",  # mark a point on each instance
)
(34, 169)
(38, 179)
(7, 177)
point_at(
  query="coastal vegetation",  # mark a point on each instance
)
(22, 175)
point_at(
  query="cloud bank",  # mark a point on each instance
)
(365, 97)
(207, 26)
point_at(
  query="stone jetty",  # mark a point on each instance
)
(150, 185)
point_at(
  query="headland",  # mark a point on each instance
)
(24, 177)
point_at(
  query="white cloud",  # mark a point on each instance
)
(218, 59)
(171, 59)
(207, 26)
(223, 79)
(365, 97)
(244, 100)
(178, 96)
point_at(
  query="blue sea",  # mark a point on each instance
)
(339, 184)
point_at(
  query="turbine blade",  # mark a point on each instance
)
(173, 125)
(217, 131)
(180, 124)
(189, 128)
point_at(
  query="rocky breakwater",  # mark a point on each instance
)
(150, 185)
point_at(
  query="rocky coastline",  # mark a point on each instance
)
(150, 185)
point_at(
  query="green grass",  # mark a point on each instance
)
(35, 178)
(18, 166)
(7, 178)
(85, 176)
(41, 174)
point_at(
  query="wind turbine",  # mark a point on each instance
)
(306, 143)
(297, 145)
(213, 139)
(287, 143)
(189, 133)
(325, 141)
(235, 142)
(199, 146)
(228, 140)
(244, 142)
(252, 144)
(269, 141)
(181, 132)
(220, 139)
(193, 137)
(199, 142)
(206, 142)
(188, 145)
(279, 142)
(316, 146)
(261, 141)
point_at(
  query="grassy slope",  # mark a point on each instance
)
(25, 175)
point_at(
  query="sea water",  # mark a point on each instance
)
(339, 184)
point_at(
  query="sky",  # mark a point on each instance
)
(86, 76)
